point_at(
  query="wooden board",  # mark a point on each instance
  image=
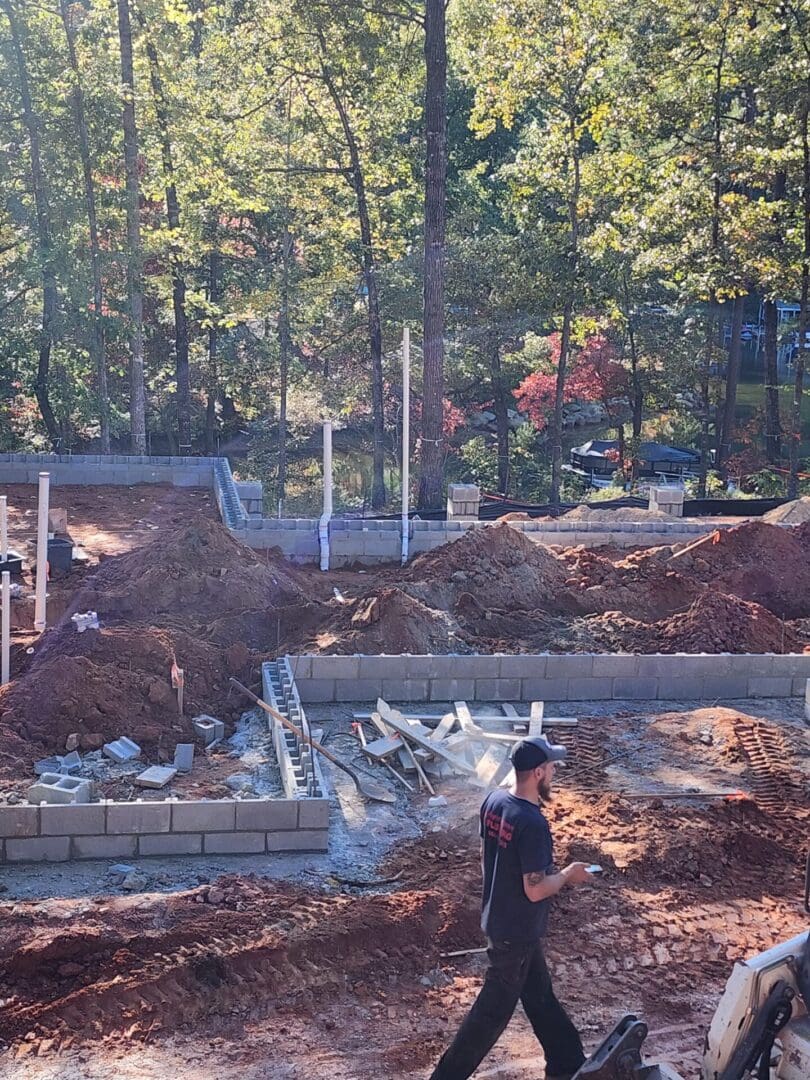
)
(383, 747)
(536, 718)
(395, 721)
(463, 713)
(446, 725)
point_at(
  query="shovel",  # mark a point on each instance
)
(367, 787)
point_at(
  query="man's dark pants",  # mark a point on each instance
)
(516, 972)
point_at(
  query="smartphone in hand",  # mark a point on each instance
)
(594, 868)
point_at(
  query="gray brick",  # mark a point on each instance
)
(43, 849)
(613, 665)
(569, 667)
(544, 690)
(139, 817)
(313, 813)
(770, 687)
(730, 687)
(662, 666)
(357, 689)
(405, 689)
(523, 667)
(792, 665)
(170, 844)
(311, 690)
(497, 689)
(104, 847)
(798, 687)
(434, 667)
(335, 667)
(19, 820)
(590, 689)
(635, 688)
(383, 667)
(299, 840)
(683, 688)
(264, 814)
(235, 843)
(80, 819)
(694, 665)
(301, 666)
(203, 816)
(452, 689)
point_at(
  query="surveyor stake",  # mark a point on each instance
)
(366, 787)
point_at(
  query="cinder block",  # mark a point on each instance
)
(138, 817)
(452, 689)
(184, 757)
(385, 667)
(357, 689)
(121, 750)
(335, 667)
(55, 788)
(659, 666)
(523, 667)
(203, 816)
(544, 690)
(590, 689)
(635, 688)
(313, 813)
(170, 844)
(497, 689)
(208, 728)
(85, 819)
(682, 689)
(569, 666)
(312, 690)
(299, 840)
(264, 814)
(43, 849)
(104, 847)
(405, 689)
(613, 665)
(773, 687)
(729, 687)
(19, 820)
(235, 843)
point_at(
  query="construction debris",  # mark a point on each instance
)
(156, 776)
(122, 750)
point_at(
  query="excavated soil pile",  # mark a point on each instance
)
(199, 569)
(790, 513)
(499, 565)
(621, 513)
(642, 585)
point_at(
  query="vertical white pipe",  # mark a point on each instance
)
(3, 527)
(323, 525)
(5, 636)
(406, 436)
(42, 551)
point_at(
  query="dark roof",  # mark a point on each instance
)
(648, 451)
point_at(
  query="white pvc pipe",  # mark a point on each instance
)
(5, 634)
(3, 527)
(323, 524)
(42, 551)
(406, 436)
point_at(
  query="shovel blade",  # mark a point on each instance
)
(374, 791)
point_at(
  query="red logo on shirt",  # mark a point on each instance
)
(498, 829)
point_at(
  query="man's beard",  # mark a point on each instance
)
(544, 791)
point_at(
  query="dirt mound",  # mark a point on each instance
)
(198, 569)
(621, 513)
(114, 681)
(790, 513)
(498, 564)
(755, 561)
(640, 586)
(390, 621)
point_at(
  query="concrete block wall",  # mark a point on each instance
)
(118, 830)
(94, 469)
(551, 677)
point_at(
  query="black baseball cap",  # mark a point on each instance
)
(535, 751)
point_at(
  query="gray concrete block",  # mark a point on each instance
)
(405, 689)
(234, 843)
(590, 689)
(138, 817)
(615, 664)
(497, 689)
(54, 788)
(43, 849)
(682, 688)
(313, 813)
(523, 667)
(452, 689)
(19, 820)
(104, 847)
(699, 664)
(121, 750)
(792, 664)
(544, 690)
(384, 667)
(358, 689)
(312, 690)
(657, 665)
(200, 816)
(635, 688)
(301, 666)
(335, 667)
(770, 687)
(156, 776)
(569, 666)
(477, 667)
(170, 844)
(81, 819)
(299, 840)
(184, 757)
(208, 728)
(728, 687)
(264, 814)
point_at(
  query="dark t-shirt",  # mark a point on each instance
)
(517, 841)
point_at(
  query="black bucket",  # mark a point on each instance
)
(60, 555)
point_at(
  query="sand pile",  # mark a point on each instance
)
(790, 513)
(499, 565)
(198, 569)
(621, 513)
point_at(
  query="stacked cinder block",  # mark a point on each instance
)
(667, 498)
(113, 830)
(251, 495)
(299, 765)
(463, 502)
(96, 469)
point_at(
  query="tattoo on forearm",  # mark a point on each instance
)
(536, 878)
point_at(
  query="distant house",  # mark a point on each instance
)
(597, 461)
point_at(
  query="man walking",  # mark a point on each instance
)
(519, 882)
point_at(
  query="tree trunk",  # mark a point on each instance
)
(501, 416)
(773, 427)
(213, 342)
(137, 392)
(283, 363)
(43, 221)
(431, 480)
(726, 433)
(178, 278)
(705, 398)
(559, 397)
(98, 348)
(804, 313)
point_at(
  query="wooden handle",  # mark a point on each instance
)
(287, 723)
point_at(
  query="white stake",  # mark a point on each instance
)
(6, 629)
(42, 552)
(406, 436)
(3, 528)
(323, 524)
